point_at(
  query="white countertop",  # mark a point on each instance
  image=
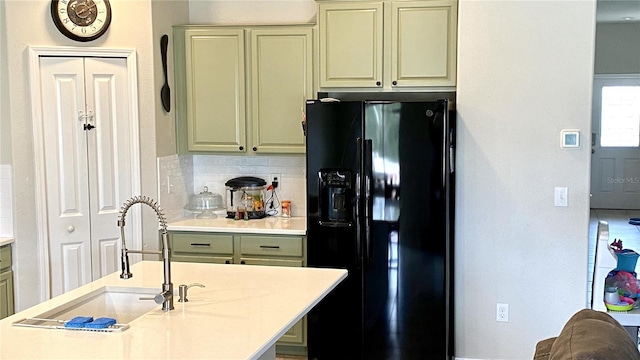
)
(240, 314)
(6, 241)
(268, 225)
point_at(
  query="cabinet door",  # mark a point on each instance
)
(423, 43)
(277, 250)
(351, 40)
(6, 294)
(215, 87)
(281, 81)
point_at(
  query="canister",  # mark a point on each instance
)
(286, 208)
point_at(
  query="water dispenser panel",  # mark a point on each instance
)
(336, 195)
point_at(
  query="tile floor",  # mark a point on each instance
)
(619, 228)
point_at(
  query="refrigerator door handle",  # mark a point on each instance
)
(450, 137)
(368, 174)
(452, 157)
(446, 151)
(358, 221)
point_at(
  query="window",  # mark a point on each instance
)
(620, 117)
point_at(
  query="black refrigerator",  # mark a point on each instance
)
(380, 204)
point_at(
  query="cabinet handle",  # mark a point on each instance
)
(394, 82)
(269, 247)
(242, 262)
(227, 262)
(200, 245)
(241, 148)
(255, 148)
(378, 83)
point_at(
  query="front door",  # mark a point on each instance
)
(615, 159)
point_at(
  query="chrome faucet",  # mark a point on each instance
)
(166, 296)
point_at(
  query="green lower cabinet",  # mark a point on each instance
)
(201, 247)
(247, 249)
(6, 283)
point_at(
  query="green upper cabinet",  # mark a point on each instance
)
(281, 81)
(350, 44)
(241, 89)
(387, 45)
(215, 89)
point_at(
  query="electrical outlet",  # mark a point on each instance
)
(502, 312)
(276, 177)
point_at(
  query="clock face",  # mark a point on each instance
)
(81, 20)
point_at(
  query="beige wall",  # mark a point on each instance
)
(524, 74)
(252, 11)
(165, 14)
(5, 124)
(618, 48)
(131, 27)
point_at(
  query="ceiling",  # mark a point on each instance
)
(618, 10)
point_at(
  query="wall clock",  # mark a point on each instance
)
(81, 20)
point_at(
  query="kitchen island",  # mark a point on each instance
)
(240, 314)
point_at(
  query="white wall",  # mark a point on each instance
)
(6, 193)
(5, 125)
(525, 73)
(252, 12)
(166, 14)
(131, 27)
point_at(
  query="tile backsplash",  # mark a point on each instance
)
(181, 176)
(6, 201)
(175, 184)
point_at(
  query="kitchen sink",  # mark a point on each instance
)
(120, 303)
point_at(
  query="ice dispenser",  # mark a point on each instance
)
(336, 198)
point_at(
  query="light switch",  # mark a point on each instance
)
(561, 194)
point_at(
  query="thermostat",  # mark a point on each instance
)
(570, 138)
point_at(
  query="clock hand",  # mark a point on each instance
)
(86, 8)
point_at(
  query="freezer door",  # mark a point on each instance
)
(334, 136)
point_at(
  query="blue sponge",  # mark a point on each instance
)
(100, 323)
(78, 322)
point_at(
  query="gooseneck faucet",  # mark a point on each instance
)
(166, 296)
